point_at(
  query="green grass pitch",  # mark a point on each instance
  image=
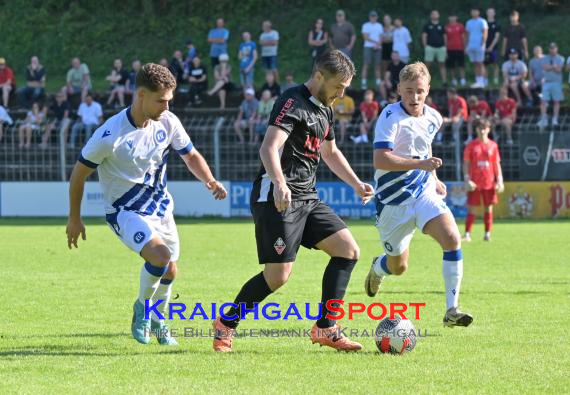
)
(66, 315)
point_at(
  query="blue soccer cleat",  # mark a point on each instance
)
(140, 328)
(162, 333)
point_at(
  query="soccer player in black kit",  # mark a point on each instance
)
(284, 203)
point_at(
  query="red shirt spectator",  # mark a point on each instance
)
(369, 110)
(456, 106)
(506, 107)
(483, 157)
(481, 109)
(6, 74)
(455, 33)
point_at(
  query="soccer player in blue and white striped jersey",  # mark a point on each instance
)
(130, 151)
(408, 192)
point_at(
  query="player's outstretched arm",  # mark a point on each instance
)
(384, 159)
(196, 163)
(337, 162)
(75, 226)
(269, 154)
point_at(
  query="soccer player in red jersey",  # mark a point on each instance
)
(483, 177)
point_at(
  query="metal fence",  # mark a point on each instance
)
(213, 135)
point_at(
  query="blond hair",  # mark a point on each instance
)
(413, 71)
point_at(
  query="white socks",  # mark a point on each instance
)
(381, 266)
(452, 274)
(163, 292)
(149, 280)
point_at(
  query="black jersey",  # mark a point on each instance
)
(308, 123)
(494, 28)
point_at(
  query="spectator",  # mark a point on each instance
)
(131, 85)
(247, 116)
(7, 81)
(515, 37)
(90, 116)
(535, 70)
(369, 109)
(60, 109)
(458, 113)
(391, 77)
(342, 35)
(33, 122)
(191, 52)
(505, 114)
(78, 79)
(269, 42)
(218, 39)
(455, 35)
(371, 34)
(118, 78)
(491, 52)
(35, 83)
(477, 30)
(222, 75)
(387, 41)
(178, 68)
(289, 82)
(247, 56)
(5, 118)
(263, 112)
(478, 108)
(271, 85)
(343, 109)
(433, 40)
(198, 80)
(514, 74)
(402, 40)
(318, 39)
(552, 65)
(164, 62)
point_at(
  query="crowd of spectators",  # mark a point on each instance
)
(500, 57)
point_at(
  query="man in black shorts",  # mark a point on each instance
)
(284, 203)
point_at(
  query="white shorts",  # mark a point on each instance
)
(397, 224)
(476, 54)
(136, 230)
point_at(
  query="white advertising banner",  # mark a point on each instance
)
(50, 199)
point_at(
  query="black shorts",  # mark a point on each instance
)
(455, 59)
(304, 222)
(491, 57)
(387, 51)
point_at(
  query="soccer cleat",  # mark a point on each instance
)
(542, 124)
(555, 121)
(467, 237)
(454, 317)
(162, 333)
(487, 237)
(222, 337)
(372, 281)
(334, 338)
(140, 328)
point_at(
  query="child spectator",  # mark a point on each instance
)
(369, 109)
(247, 56)
(263, 112)
(344, 109)
(33, 122)
(506, 114)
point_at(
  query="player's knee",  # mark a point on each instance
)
(452, 241)
(353, 251)
(161, 256)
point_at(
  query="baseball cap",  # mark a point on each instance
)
(513, 51)
(2, 61)
(552, 45)
(250, 91)
(223, 57)
(373, 13)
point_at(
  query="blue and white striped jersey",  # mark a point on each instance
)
(131, 161)
(409, 137)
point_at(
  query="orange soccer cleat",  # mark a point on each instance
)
(222, 336)
(333, 337)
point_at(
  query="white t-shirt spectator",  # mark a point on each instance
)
(514, 69)
(5, 117)
(90, 115)
(269, 50)
(374, 31)
(402, 38)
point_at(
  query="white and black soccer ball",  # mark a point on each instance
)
(397, 336)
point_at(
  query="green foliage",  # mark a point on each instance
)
(98, 32)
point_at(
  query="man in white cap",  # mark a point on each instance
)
(246, 116)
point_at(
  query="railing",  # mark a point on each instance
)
(213, 135)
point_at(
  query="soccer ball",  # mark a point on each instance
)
(397, 336)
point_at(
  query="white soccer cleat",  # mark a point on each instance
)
(372, 281)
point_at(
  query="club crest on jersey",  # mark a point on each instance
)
(388, 247)
(160, 136)
(139, 237)
(130, 143)
(106, 133)
(279, 245)
(431, 128)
